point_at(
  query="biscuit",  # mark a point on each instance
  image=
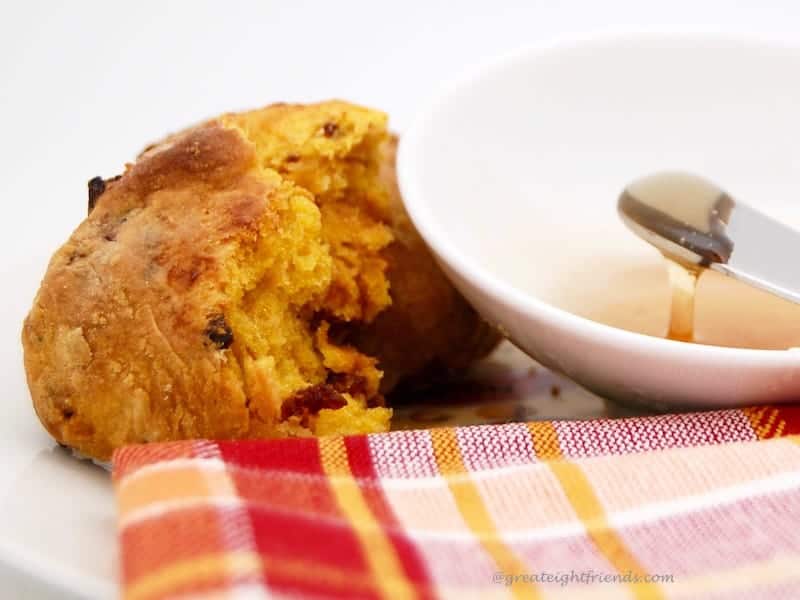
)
(254, 276)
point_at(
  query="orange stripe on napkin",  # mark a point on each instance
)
(545, 440)
(378, 552)
(473, 510)
(223, 565)
(590, 511)
(766, 421)
(171, 482)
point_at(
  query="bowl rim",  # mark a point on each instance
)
(494, 286)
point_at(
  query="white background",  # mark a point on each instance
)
(85, 85)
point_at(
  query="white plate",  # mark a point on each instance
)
(512, 177)
(57, 521)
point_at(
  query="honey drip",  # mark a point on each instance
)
(683, 287)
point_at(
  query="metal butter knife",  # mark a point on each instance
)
(694, 222)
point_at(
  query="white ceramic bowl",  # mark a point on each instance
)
(512, 175)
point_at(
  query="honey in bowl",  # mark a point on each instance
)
(719, 310)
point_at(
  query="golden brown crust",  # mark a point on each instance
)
(116, 350)
(196, 299)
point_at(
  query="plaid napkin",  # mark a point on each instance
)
(689, 506)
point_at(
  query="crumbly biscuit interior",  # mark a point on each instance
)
(302, 282)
